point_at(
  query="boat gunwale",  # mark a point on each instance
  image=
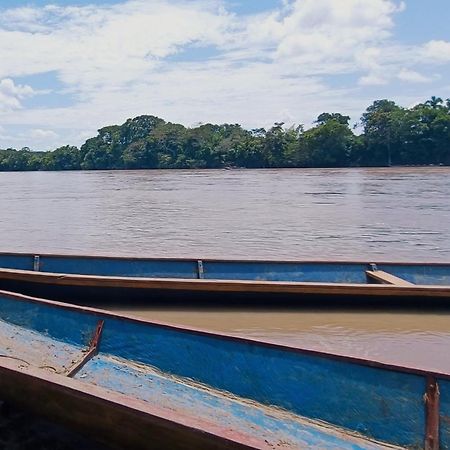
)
(229, 337)
(225, 285)
(223, 260)
(122, 402)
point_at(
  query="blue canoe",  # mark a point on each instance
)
(146, 385)
(224, 282)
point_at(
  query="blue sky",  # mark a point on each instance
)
(70, 67)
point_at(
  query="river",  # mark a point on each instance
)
(367, 214)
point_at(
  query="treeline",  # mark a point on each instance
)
(391, 135)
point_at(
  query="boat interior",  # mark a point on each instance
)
(235, 389)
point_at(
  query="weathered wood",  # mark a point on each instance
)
(300, 281)
(90, 353)
(110, 417)
(431, 398)
(222, 336)
(387, 278)
(228, 286)
(171, 371)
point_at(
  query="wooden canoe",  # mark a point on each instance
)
(145, 385)
(219, 282)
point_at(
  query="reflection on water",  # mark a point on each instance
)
(364, 214)
(411, 339)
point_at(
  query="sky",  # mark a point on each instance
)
(70, 67)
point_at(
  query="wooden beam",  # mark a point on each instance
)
(386, 278)
(431, 399)
(226, 286)
(90, 353)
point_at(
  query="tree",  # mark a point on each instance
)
(434, 102)
(329, 144)
(326, 117)
(65, 158)
(102, 151)
(381, 122)
(391, 135)
(140, 155)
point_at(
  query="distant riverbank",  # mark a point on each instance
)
(390, 136)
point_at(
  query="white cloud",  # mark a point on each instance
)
(329, 29)
(11, 94)
(40, 134)
(413, 76)
(373, 79)
(104, 47)
(437, 51)
(110, 46)
(23, 18)
(8, 87)
(114, 61)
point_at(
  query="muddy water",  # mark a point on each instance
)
(368, 214)
(410, 338)
(280, 214)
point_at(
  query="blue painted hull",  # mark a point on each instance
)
(289, 271)
(211, 390)
(106, 276)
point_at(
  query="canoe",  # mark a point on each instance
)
(218, 282)
(145, 385)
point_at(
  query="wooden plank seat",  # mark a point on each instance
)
(387, 278)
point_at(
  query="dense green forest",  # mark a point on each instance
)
(391, 135)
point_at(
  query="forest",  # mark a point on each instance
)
(386, 135)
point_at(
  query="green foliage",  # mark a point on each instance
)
(392, 135)
(329, 144)
(64, 158)
(399, 136)
(337, 117)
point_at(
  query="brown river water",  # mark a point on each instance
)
(364, 214)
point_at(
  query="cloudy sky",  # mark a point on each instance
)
(70, 67)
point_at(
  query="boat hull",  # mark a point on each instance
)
(92, 290)
(232, 283)
(111, 375)
(104, 416)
